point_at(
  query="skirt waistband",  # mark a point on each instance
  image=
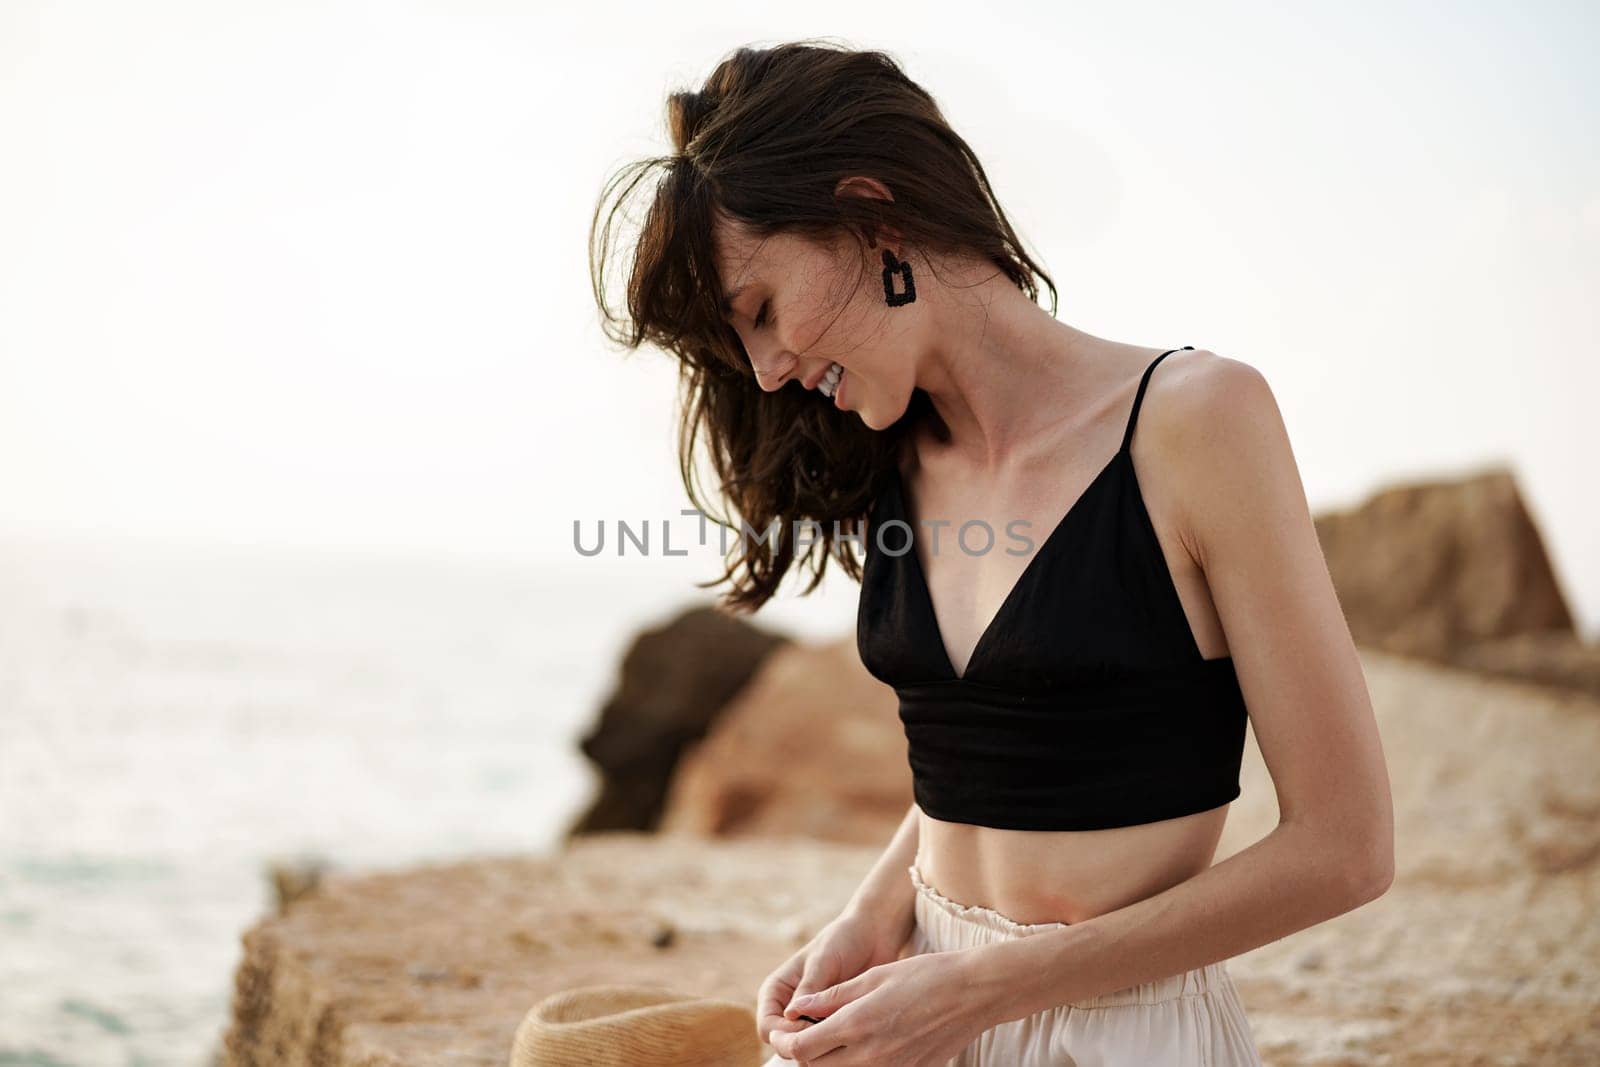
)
(946, 925)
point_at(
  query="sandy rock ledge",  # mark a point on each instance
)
(437, 965)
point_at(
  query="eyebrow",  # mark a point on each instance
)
(729, 297)
(733, 294)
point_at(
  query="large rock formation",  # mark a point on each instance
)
(1427, 568)
(1456, 571)
(675, 680)
(811, 747)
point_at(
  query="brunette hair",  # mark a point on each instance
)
(765, 142)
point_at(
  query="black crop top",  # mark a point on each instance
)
(1086, 703)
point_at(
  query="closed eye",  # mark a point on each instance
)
(761, 316)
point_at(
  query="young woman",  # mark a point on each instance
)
(1078, 618)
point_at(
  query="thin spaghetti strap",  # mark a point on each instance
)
(1138, 398)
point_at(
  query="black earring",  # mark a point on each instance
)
(890, 265)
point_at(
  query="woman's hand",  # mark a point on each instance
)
(846, 947)
(921, 1011)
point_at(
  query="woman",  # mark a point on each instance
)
(1075, 704)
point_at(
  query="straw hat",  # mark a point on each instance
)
(635, 1026)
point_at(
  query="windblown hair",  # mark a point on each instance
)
(765, 142)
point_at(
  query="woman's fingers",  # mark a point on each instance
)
(776, 993)
(821, 971)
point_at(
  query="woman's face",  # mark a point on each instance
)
(799, 306)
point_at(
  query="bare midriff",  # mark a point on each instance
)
(1035, 876)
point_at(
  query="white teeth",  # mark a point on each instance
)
(830, 380)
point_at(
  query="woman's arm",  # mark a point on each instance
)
(1215, 435)
(886, 894)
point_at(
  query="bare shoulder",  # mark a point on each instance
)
(1214, 434)
(1199, 400)
(1191, 390)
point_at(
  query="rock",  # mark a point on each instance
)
(1456, 572)
(675, 680)
(1427, 569)
(812, 747)
(1549, 657)
(439, 965)
(293, 878)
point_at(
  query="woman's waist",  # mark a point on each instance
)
(1068, 876)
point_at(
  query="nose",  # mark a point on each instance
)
(768, 373)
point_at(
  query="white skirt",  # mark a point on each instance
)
(1192, 1019)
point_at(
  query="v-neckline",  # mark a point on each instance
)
(1011, 595)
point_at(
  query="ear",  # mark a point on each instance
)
(863, 186)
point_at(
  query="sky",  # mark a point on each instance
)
(316, 274)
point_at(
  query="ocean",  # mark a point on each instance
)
(173, 719)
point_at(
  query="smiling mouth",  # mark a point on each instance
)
(830, 381)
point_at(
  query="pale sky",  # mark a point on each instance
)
(315, 274)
